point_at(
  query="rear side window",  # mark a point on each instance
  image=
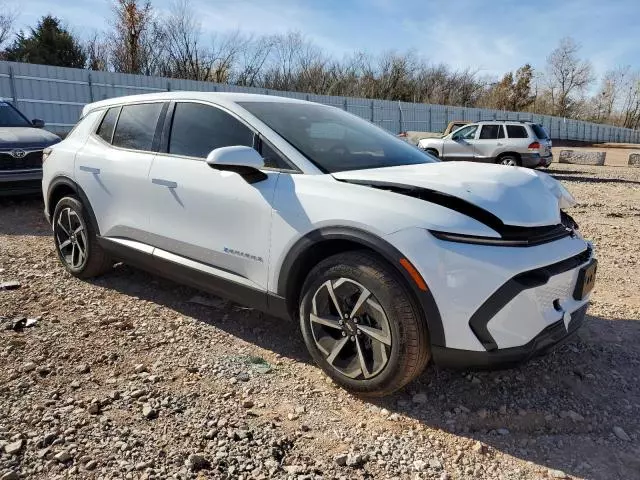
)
(491, 132)
(137, 126)
(540, 132)
(516, 131)
(197, 129)
(105, 130)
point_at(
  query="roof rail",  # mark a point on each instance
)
(506, 120)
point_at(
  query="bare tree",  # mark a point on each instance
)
(567, 76)
(7, 19)
(97, 51)
(137, 42)
(253, 56)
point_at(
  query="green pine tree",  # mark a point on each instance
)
(47, 44)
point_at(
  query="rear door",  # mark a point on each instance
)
(113, 166)
(490, 142)
(460, 144)
(543, 138)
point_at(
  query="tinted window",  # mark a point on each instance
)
(197, 129)
(540, 131)
(137, 126)
(272, 157)
(333, 139)
(10, 117)
(105, 130)
(516, 131)
(489, 132)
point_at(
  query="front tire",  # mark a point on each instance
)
(75, 239)
(361, 325)
(432, 152)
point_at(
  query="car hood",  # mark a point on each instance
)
(516, 196)
(26, 137)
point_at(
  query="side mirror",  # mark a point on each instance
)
(245, 161)
(37, 123)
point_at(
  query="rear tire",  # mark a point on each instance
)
(76, 242)
(432, 152)
(361, 324)
(509, 160)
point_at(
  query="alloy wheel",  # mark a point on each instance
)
(350, 328)
(511, 162)
(71, 238)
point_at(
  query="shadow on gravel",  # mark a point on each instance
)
(557, 411)
(23, 215)
(553, 172)
(594, 179)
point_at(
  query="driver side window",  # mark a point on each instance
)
(466, 133)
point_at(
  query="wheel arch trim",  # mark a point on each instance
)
(292, 268)
(65, 181)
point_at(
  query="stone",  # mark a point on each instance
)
(94, 408)
(247, 403)
(576, 417)
(10, 475)
(83, 368)
(341, 459)
(419, 465)
(139, 368)
(435, 464)
(634, 159)
(197, 462)
(556, 473)
(503, 431)
(479, 447)
(483, 413)
(149, 412)
(621, 434)
(28, 367)
(63, 457)
(419, 398)
(355, 460)
(91, 465)
(13, 447)
(582, 158)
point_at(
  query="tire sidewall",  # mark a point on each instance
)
(75, 205)
(509, 157)
(329, 270)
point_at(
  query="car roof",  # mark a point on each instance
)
(219, 98)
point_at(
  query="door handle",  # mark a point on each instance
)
(95, 171)
(164, 183)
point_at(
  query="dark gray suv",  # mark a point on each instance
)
(21, 145)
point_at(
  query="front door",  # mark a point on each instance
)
(210, 217)
(460, 144)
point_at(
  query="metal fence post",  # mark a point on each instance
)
(12, 86)
(344, 105)
(430, 128)
(399, 118)
(90, 83)
(371, 115)
(168, 85)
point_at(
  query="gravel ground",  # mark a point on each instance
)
(133, 376)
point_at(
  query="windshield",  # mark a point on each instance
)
(10, 117)
(334, 140)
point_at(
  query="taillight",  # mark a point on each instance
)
(534, 146)
(45, 153)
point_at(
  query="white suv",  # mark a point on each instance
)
(386, 256)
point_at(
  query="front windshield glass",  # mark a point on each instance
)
(10, 117)
(334, 140)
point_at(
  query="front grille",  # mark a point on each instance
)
(30, 161)
(535, 235)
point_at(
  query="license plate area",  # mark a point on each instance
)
(586, 280)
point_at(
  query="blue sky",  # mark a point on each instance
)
(488, 36)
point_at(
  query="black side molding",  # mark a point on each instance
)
(509, 290)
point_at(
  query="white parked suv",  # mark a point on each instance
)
(387, 257)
